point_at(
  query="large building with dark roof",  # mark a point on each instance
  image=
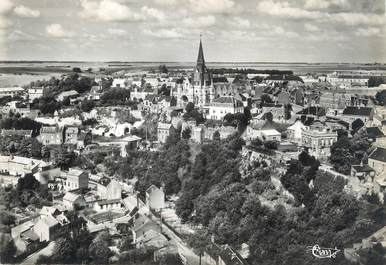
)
(377, 160)
(351, 114)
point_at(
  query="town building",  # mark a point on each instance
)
(48, 227)
(120, 83)
(107, 205)
(294, 132)
(363, 172)
(35, 93)
(71, 135)
(51, 135)
(222, 106)
(351, 114)
(318, 142)
(203, 87)
(18, 165)
(155, 198)
(11, 91)
(73, 201)
(67, 94)
(74, 179)
(377, 160)
(24, 238)
(163, 131)
(109, 189)
(333, 100)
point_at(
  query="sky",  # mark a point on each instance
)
(169, 30)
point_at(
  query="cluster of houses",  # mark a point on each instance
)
(295, 112)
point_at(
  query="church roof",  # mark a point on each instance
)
(200, 57)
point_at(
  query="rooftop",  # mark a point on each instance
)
(362, 168)
(357, 111)
(228, 100)
(379, 154)
(49, 129)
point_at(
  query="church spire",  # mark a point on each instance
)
(200, 58)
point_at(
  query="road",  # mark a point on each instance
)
(191, 257)
(47, 251)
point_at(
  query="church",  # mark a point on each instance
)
(202, 87)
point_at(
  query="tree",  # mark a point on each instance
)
(375, 81)
(216, 136)
(356, 125)
(163, 69)
(173, 138)
(272, 145)
(87, 105)
(63, 251)
(7, 248)
(381, 97)
(189, 107)
(87, 139)
(76, 70)
(99, 252)
(199, 241)
(64, 159)
(187, 133)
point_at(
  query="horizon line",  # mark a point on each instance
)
(208, 62)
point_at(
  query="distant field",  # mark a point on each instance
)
(33, 70)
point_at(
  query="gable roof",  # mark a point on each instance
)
(363, 168)
(152, 188)
(314, 110)
(229, 100)
(361, 111)
(374, 132)
(49, 220)
(379, 154)
(14, 132)
(69, 196)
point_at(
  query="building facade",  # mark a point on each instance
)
(318, 142)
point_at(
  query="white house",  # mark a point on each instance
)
(120, 82)
(10, 91)
(221, 106)
(155, 198)
(74, 179)
(294, 132)
(73, 201)
(35, 92)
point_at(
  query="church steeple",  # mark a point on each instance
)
(200, 57)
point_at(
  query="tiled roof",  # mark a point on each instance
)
(151, 189)
(362, 168)
(104, 202)
(312, 111)
(228, 100)
(220, 79)
(374, 132)
(69, 196)
(49, 129)
(16, 132)
(361, 111)
(379, 154)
